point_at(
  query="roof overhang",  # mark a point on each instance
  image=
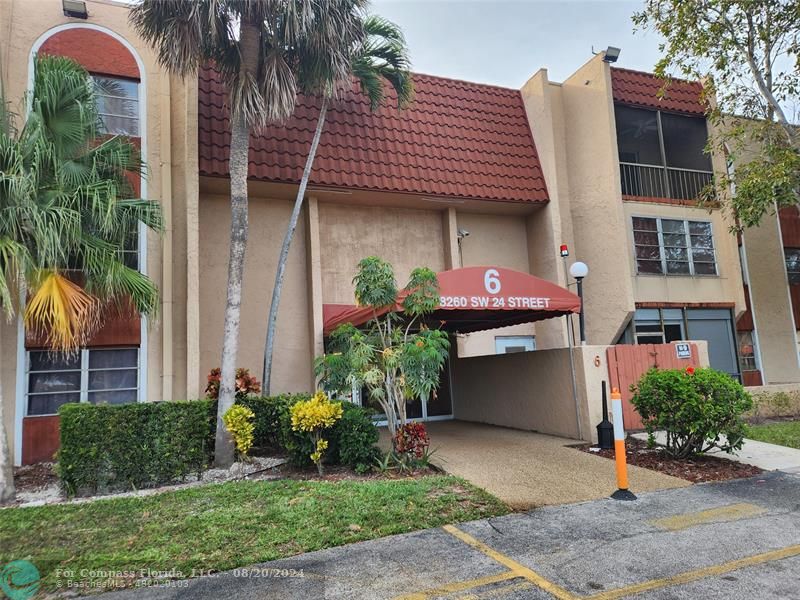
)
(475, 299)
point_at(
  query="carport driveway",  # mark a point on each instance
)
(724, 541)
(526, 469)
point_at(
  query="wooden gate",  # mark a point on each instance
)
(627, 363)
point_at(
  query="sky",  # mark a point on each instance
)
(504, 42)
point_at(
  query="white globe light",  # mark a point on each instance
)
(579, 270)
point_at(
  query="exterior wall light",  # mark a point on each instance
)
(75, 9)
(611, 54)
(579, 270)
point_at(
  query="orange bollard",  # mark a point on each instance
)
(622, 493)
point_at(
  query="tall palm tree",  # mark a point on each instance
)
(380, 58)
(67, 213)
(263, 50)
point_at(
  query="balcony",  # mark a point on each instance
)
(653, 181)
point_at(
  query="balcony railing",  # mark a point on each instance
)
(658, 182)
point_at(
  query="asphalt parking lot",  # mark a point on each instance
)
(733, 540)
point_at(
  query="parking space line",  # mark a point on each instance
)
(517, 571)
(732, 512)
(459, 586)
(689, 576)
(516, 568)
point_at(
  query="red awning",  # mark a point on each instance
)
(476, 298)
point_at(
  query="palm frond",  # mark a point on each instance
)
(60, 311)
(383, 58)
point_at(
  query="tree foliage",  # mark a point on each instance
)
(746, 54)
(68, 211)
(397, 357)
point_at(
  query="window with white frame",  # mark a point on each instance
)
(673, 247)
(792, 256)
(96, 375)
(118, 104)
(507, 344)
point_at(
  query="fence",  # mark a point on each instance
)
(627, 363)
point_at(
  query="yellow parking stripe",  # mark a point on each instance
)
(459, 586)
(733, 512)
(516, 568)
(689, 576)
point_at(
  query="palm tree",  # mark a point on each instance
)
(67, 213)
(381, 57)
(263, 50)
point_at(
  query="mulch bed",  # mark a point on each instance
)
(30, 478)
(697, 469)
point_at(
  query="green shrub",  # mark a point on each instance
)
(129, 446)
(696, 407)
(768, 403)
(354, 437)
(351, 440)
(268, 412)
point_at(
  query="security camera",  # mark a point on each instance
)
(462, 233)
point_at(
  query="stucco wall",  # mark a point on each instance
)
(725, 287)
(531, 390)
(597, 215)
(406, 238)
(550, 226)
(497, 240)
(293, 351)
(772, 309)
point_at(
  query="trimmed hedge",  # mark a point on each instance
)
(129, 446)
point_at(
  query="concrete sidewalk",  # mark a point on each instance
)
(526, 469)
(720, 541)
(770, 457)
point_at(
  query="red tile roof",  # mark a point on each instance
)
(641, 89)
(457, 139)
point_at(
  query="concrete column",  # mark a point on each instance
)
(452, 259)
(549, 226)
(167, 255)
(314, 280)
(192, 190)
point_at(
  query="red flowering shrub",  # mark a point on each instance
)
(690, 370)
(246, 384)
(412, 440)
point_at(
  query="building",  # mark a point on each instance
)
(469, 175)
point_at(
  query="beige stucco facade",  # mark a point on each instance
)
(771, 303)
(573, 126)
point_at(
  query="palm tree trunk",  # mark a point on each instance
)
(272, 320)
(238, 164)
(7, 491)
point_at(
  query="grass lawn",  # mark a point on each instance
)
(786, 433)
(219, 527)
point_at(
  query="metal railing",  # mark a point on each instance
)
(658, 182)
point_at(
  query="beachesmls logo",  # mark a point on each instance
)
(19, 580)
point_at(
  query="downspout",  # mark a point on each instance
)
(165, 164)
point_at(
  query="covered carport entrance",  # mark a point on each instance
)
(476, 299)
